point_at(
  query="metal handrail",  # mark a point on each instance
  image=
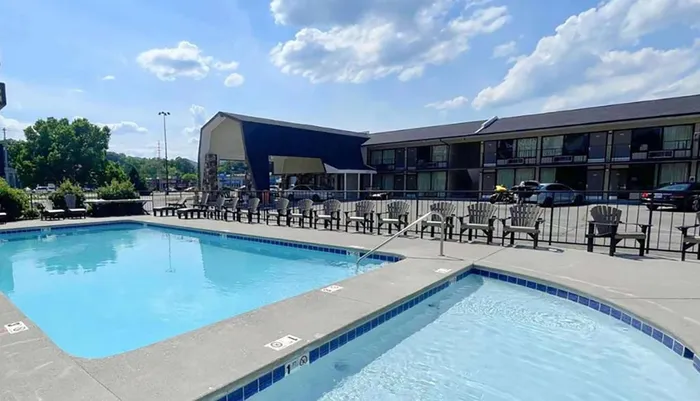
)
(403, 230)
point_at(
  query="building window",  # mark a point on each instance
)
(439, 181)
(678, 137)
(548, 175)
(375, 158)
(575, 144)
(387, 182)
(506, 149)
(424, 182)
(552, 145)
(509, 177)
(646, 139)
(388, 156)
(438, 153)
(673, 172)
(526, 147)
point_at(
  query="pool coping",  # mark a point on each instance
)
(203, 365)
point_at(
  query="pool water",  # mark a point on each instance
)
(488, 340)
(101, 291)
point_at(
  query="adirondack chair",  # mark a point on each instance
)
(189, 211)
(329, 214)
(363, 215)
(480, 216)
(690, 240)
(251, 210)
(231, 206)
(396, 216)
(217, 210)
(71, 208)
(303, 212)
(606, 222)
(446, 211)
(281, 211)
(524, 218)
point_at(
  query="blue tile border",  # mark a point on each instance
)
(246, 391)
(618, 314)
(384, 257)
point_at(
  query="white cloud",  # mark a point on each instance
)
(505, 50)
(109, 78)
(592, 42)
(234, 79)
(15, 128)
(450, 104)
(359, 41)
(199, 117)
(125, 128)
(184, 61)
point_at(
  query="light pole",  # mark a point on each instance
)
(165, 142)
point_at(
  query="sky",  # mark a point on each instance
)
(364, 65)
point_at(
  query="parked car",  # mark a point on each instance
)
(316, 194)
(548, 195)
(683, 196)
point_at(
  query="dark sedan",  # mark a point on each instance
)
(681, 196)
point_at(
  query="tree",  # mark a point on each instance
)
(190, 178)
(112, 172)
(135, 179)
(56, 150)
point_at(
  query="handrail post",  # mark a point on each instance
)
(442, 235)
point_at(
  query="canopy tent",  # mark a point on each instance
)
(292, 148)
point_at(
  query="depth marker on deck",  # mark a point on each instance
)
(16, 327)
(442, 270)
(283, 342)
(331, 289)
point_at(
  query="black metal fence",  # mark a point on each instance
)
(565, 222)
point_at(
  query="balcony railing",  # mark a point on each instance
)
(670, 150)
(521, 157)
(556, 156)
(429, 164)
(384, 166)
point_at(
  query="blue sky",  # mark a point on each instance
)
(362, 65)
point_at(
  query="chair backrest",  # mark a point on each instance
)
(282, 204)
(397, 209)
(480, 213)
(444, 209)
(305, 205)
(232, 202)
(205, 198)
(70, 200)
(607, 215)
(331, 206)
(220, 201)
(253, 204)
(525, 215)
(363, 207)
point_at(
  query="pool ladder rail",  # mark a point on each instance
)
(403, 230)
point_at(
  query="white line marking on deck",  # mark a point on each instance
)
(283, 342)
(332, 288)
(295, 364)
(442, 270)
(16, 327)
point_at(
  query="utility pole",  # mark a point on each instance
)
(4, 134)
(165, 143)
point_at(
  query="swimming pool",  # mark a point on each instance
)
(485, 339)
(102, 290)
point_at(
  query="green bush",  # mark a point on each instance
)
(58, 197)
(13, 201)
(118, 190)
(30, 214)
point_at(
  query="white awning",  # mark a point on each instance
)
(332, 170)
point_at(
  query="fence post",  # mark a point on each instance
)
(551, 223)
(649, 220)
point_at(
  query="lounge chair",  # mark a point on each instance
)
(178, 204)
(395, 216)
(304, 211)
(524, 218)
(48, 212)
(166, 210)
(188, 212)
(363, 215)
(3, 216)
(71, 209)
(606, 223)
(480, 217)
(690, 240)
(280, 211)
(329, 214)
(251, 210)
(446, 212)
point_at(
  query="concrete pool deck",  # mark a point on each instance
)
(663, 291)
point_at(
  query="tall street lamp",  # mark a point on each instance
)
(165, 141)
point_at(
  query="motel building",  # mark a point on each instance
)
(622, 147)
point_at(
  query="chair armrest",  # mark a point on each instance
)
(347, 215)
(461, 218)
(600, 223)
(379, 215)
(688, 227)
